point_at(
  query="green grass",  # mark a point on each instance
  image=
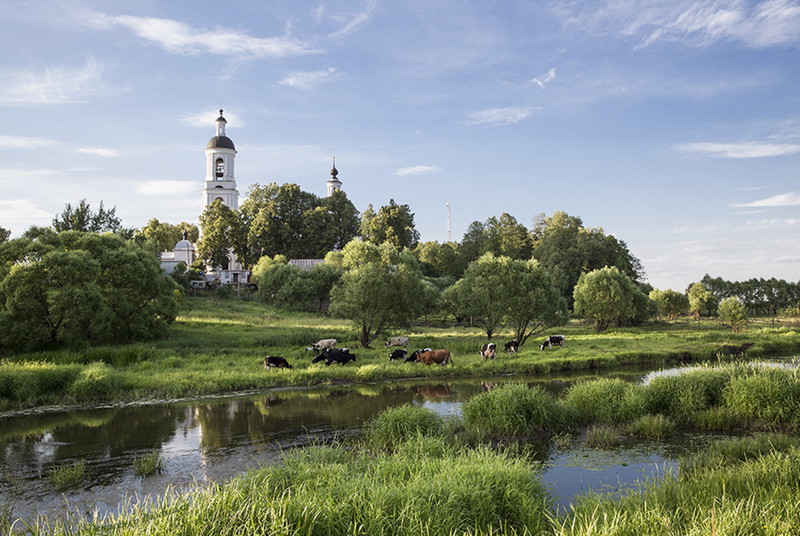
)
(67, 476)
(217, 346)
(148, 464)
(514, 410)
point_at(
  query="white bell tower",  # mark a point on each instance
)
(334, 184)
(220, 183)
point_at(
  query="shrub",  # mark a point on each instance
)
(513, 409)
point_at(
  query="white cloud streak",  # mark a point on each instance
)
(500, 116)
(180, 38)
(309, 80)
(21, 142)
(100, 151)
(541, 80)
(740, 150)
(355, 22)
(790, 199)
(417, 170)
(52, 84)
(694, 22)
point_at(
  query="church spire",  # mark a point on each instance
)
(334, 184)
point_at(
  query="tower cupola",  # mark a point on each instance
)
(334, 184)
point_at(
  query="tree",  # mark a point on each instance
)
(4, 234)
(701, 301)
(733, 313)
(392, 223)
(380, 288)
(499, 290)
(507, 237)
(473, 243)
(221, 235)
(82, 218)
(605, 295)
(162, 236)
(437, 259)
(670, 304)
(74, 288)
(567, 250)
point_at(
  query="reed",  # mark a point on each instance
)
(607, 400)
(397, 425)
(148, 464)
(514, 409)
(603, 436)
(68, 475)
(654, 427)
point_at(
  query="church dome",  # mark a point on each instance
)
(183, 244)
(220, 142)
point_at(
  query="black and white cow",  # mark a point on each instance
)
(554, 340)
(512, 346)
(334, 355)
(413, 355)
(398, 353)
(276, 361)
(489, 350)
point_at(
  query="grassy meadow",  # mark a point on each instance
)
(218, 345)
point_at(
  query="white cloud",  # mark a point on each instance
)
(52, 85)
(695, 22)
(309, 80)
(546, 78)
(179, 38)
(100, 151)
(791, 199)
(166, 187)
(21, 142)
(417, 170)
(356, 21)
(500, 116)
(19, 213)
(206, 118)
(740, 150)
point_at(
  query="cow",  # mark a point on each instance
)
(512, 346)
(275, 361)
(489, 350)
(334, 355)
(322, 344)
(558, 340)
(441, 357)
(396, 341)
(398, 353)
(413, 356)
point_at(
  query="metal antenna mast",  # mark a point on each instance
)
(449, 228)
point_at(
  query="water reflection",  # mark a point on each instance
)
(203, 440)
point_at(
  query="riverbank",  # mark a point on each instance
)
(217, 346)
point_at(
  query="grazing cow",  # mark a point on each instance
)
(558, 340)
(396, 341)
(276, 361)
(413, 356)
(334, 355)
(512, 346)
(322, 344)
(441, 357)
(489, 350)
(398, 353)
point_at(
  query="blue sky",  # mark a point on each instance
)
(672, 124)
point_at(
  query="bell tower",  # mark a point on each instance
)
(334, 184)
(220, 183)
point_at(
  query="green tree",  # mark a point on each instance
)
(474, 243)
(605, 295)
(82, 218)
(392, 223)
(439, 259)
(74, 288)
(505, 236)
(221, 234)
(733, 313)
(670, 303)
(567, 249)
(496, 291)
(162, 236)
(4, 234)
(380, 288)
(701, 301)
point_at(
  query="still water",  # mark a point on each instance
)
(214, 439)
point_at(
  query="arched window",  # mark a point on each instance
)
(220, 167)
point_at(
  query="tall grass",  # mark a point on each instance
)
(607, 401)
(67, 475)
(426, 487)
(514, 409)
(396, 425)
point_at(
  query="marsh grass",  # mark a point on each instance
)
(607, 400)
(397, 425)
(428, 486)
(655, 427)
(514, 409)
(603, 436)
(148, 464)
(68, 475)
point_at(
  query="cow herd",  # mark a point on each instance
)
(327, 352)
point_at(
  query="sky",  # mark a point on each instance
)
(672, 124)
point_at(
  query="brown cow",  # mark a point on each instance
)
(441, 357)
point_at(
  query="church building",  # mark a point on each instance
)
(220, 185)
